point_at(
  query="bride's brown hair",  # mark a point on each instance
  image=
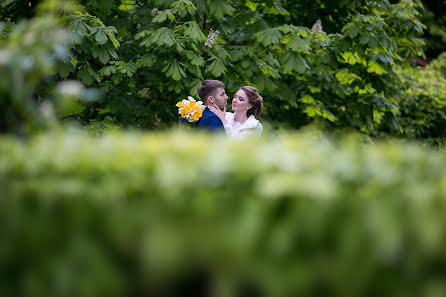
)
(254, 99)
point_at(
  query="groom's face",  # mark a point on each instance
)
(220, 98)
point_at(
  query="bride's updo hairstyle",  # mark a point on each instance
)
(255, 100)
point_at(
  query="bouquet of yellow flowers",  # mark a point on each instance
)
(190, 109)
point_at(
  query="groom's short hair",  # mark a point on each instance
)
(209, 88)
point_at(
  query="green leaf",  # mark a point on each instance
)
(142, 34)
(160, 18)
(293, 61)
(164, 15)
(385, 58)
(110, 30)
(351, 30)
(251, 5)
(195, 71)
(220, 8)
(163, 37)
(179, 46)
(364, 39)
(345, 77)
(307, 99)
(92, 73)
(217, 67)
(268, 36)
(174, 70)
(294, 30)
(311, 111)
(85, 76)
(277, 9)
(146, 42)
(373, 43)
(194, 58)
(79, 27)
(197, 60)
(64, 69)
(374, 67)
(129, 69)
(146, 61)
(350, 58)
(100, 37)
(114, 41)
(296, 44)
(176, 87)
(260, 83)
(193, 88)
(183, 7)
(194, 32)
(112, 52)
(103, 55)
(267, 69)
(108, 70)
(326, 114)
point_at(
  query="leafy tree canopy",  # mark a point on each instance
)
(146, 55)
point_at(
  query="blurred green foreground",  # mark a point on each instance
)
(193, 215)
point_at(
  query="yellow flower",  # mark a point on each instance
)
(199, 112)
(185, 111)
(196, 116)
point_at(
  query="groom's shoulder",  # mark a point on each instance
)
(207, 114)
(209, 119)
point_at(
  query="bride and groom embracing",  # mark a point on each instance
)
(247, 104)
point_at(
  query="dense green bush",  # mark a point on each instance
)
(422, 105)
(176, 215)
(31, 52)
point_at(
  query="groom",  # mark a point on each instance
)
(211, 92)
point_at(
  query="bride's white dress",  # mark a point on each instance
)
(237, 130)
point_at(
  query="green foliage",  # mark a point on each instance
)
(434, 16)
(98, 43)
(32, 51)
(422, 105)
(28, 53)
(159, 46)
(154, 215)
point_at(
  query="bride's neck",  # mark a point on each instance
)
(240, 117)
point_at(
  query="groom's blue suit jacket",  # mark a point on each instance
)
(209, 121)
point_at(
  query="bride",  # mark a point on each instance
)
(247, 105)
